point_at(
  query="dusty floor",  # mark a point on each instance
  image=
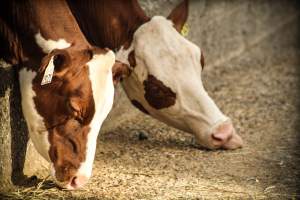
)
(258, 89)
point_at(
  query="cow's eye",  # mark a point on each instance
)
(59, 62)
(79, 119)
(73, 107)
(73, 144)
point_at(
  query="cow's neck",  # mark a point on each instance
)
(17, 24)
(109, 23)
(57, 22)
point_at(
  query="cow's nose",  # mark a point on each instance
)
(225, 136)
(77, 182)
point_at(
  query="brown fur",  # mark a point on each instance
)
(131, 59)
(179, 15)
(120, 70)
(108, 23)
(157, 94)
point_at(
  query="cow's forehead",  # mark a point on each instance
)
(159, 36)
(160, 51)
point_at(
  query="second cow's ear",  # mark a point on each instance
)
(120, 70)
(179, 15)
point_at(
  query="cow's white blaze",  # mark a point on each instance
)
(48, 45)
(162, 52)
(36, 127)
(100, 74)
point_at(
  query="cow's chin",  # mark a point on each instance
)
(76, 182)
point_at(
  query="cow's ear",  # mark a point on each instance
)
(179, 15)
(59, 60)
(139, 10)
(120, 70)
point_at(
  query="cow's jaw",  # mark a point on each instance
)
(36, 127)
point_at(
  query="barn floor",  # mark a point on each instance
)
(258, 89)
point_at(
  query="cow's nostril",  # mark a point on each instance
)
(225, 137)
(222, 134)
(218, 137)
(77, 182)
(74, 182)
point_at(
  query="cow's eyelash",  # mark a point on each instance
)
(73, 144)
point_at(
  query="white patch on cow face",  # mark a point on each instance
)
(48, 45)
(162, 52)
(36, 127)
(100, 73)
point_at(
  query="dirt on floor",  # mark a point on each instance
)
(145, 159)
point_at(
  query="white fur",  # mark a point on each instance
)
(122, 55)
(100, 73)
(35, 122)
(162, 52)
(48, 45)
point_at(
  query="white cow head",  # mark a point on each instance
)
(166, 81)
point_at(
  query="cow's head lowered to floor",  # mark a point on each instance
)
(64, 115)
(66, 84)
(166, 81)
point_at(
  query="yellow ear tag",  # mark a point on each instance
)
(185, 30)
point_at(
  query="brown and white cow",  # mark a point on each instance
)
(66, 84)
(166, 68)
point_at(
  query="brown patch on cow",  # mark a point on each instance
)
(139, 106)
(202, 60)
(157, 94)
(131, 59)
(120, 70)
